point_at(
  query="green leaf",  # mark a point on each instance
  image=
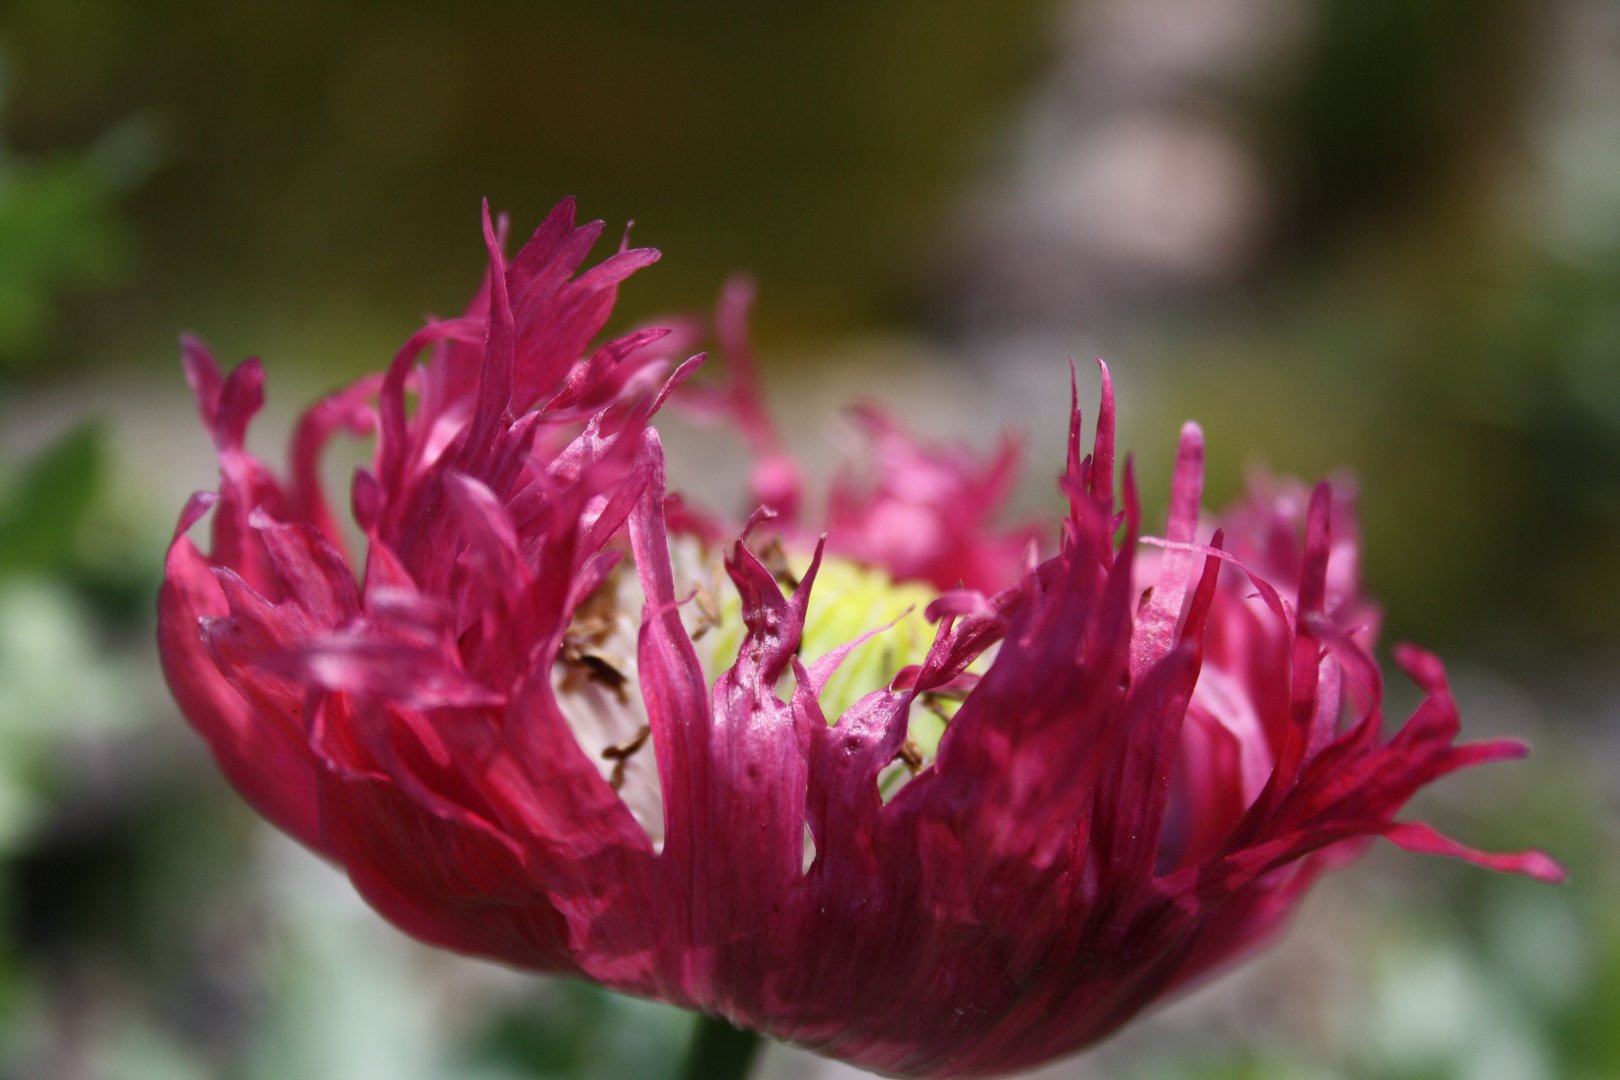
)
(48, 499)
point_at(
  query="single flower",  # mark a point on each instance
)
(554, 718)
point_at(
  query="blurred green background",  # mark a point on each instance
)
(1381, 235)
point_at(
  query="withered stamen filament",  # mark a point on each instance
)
(622, 753)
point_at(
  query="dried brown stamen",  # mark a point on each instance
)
(708, 612)
(910, 755)
(593, 623)
(578, 664)
(597, 615)
(621, 754)
(933, 703)
(774, 559)
(599, 670)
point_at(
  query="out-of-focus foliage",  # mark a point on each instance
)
(1433, 300)
(1475, 401)
(1390, 106)
(61, 231)
(577, 1030)
(53, 681)
(42, 512)
(328, 159)
(1441, 312)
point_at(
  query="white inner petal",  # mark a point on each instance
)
(597, 682)
(599, 690)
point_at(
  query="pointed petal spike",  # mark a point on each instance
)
(1102, 471)
(1426, 840)
(1318, 545)
(199, 504)
(1186, 485)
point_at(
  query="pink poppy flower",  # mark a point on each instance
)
(551, 721)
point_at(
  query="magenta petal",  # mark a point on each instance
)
(929, 512)
(1156, 621)
(474, 898)
(1155, 754)
(263, 757)
(1423, 839)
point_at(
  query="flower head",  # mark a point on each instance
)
(555, 721)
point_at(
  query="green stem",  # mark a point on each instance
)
(720, 1051)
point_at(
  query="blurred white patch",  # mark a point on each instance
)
(57, 684)
(1576, 136)
(1165, 195)
(1130, 182)
(1139, 45)
(1436, 1010)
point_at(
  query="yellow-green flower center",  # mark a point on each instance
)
(847, 600)
(597, 681)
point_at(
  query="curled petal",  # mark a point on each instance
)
(1111, 772)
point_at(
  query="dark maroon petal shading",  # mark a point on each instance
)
(1167, 746)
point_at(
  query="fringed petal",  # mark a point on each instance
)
(264, 757)
(1134, 787)
(1423, 839)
